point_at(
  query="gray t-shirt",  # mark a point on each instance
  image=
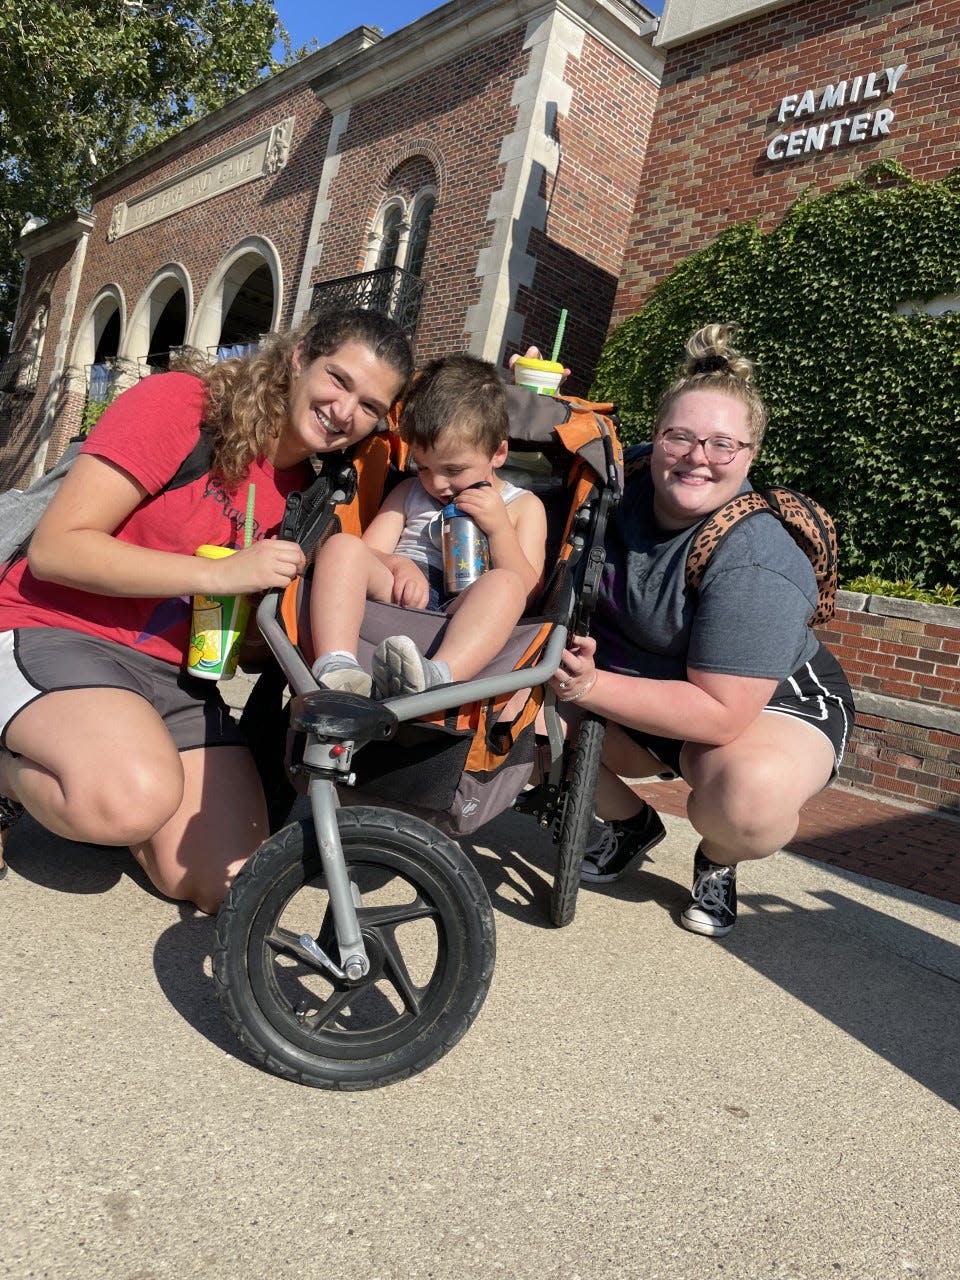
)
(749, 617)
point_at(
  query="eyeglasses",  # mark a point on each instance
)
(719, 451)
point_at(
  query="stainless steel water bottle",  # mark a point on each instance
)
(466, 551)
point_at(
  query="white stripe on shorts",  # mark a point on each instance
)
(16, 691)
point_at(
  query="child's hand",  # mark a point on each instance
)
(485, 506)
(410, 587)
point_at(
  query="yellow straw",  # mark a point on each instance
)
(248, 522)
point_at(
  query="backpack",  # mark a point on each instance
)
(21, 509)
(808, 523)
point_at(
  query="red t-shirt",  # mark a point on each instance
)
(149, 431)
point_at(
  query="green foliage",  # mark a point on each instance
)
(87, 84)
(91, 414)
(872, 586)
(864, 401)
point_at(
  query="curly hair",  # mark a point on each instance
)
(247, 397)
(713, 363)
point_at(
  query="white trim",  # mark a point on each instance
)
(517, 207)
(685, 20)
(321, 216)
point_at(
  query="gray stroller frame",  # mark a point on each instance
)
(352, 1003)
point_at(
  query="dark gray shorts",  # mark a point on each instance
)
(35, 661)
(817, 693)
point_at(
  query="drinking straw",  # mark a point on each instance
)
(559, 338)
(248, 522)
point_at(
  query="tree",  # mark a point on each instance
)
(85, 85)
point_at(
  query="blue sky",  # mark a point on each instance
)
(327, 20)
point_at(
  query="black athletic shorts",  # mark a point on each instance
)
(818, 693)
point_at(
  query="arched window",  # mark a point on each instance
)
(419, 231)
(398, 245)
(33, 349)
(390, 237)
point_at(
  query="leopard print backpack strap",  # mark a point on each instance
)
(812, 528)
(715, 527)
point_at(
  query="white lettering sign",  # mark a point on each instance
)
(862, 126)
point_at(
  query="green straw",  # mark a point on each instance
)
(248, 522)
(559, 338)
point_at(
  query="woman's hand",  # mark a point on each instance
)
(576, 674)
(533, 353)
(273, 562)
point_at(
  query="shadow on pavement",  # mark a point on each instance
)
(889, 985)
(182, 963)
(68, 866)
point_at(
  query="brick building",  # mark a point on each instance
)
(480, 170)
(762, 100)
(475, 172)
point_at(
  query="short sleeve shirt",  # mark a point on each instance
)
(148, 431)
(749, 617)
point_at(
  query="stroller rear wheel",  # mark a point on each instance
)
(576, 818)
(429, 934)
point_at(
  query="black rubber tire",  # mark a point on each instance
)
(576, 819)
(305, 1025)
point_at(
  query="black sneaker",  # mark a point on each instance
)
(10, 812)
(712, 909)
(618, 845)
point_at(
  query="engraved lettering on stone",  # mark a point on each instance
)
(266, 152)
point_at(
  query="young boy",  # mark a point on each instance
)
(455, 422)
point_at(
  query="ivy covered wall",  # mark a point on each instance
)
(863, 389)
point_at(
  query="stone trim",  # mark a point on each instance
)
(517, 207)
(685, 20)
(258, 156)
(321, 216)
(893, 607)
(463, 24)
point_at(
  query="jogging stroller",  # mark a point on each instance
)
(357, 946)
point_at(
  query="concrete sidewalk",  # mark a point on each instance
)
(633, 1101)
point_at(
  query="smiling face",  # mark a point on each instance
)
(454, 465)
(334, 401)
(688, 488)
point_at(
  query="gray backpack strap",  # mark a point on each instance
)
(21, 509)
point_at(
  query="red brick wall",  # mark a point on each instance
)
(900, 650)
(457, 115)
(579, 253)
(707, 165)
(277, 206)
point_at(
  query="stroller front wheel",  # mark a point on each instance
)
(429, 934)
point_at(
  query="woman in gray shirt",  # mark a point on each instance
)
(727, 685)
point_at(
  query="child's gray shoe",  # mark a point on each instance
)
(400, 668)
(334, 671)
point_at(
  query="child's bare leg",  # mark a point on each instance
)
(346, 573)
(480, 623)
(481, 620)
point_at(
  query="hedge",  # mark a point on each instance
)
(863, 390)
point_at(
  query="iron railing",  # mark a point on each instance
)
(390, 290)
(17, 373)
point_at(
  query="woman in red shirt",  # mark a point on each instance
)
(104, 738)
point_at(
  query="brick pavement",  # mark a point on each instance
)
(914, 848)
